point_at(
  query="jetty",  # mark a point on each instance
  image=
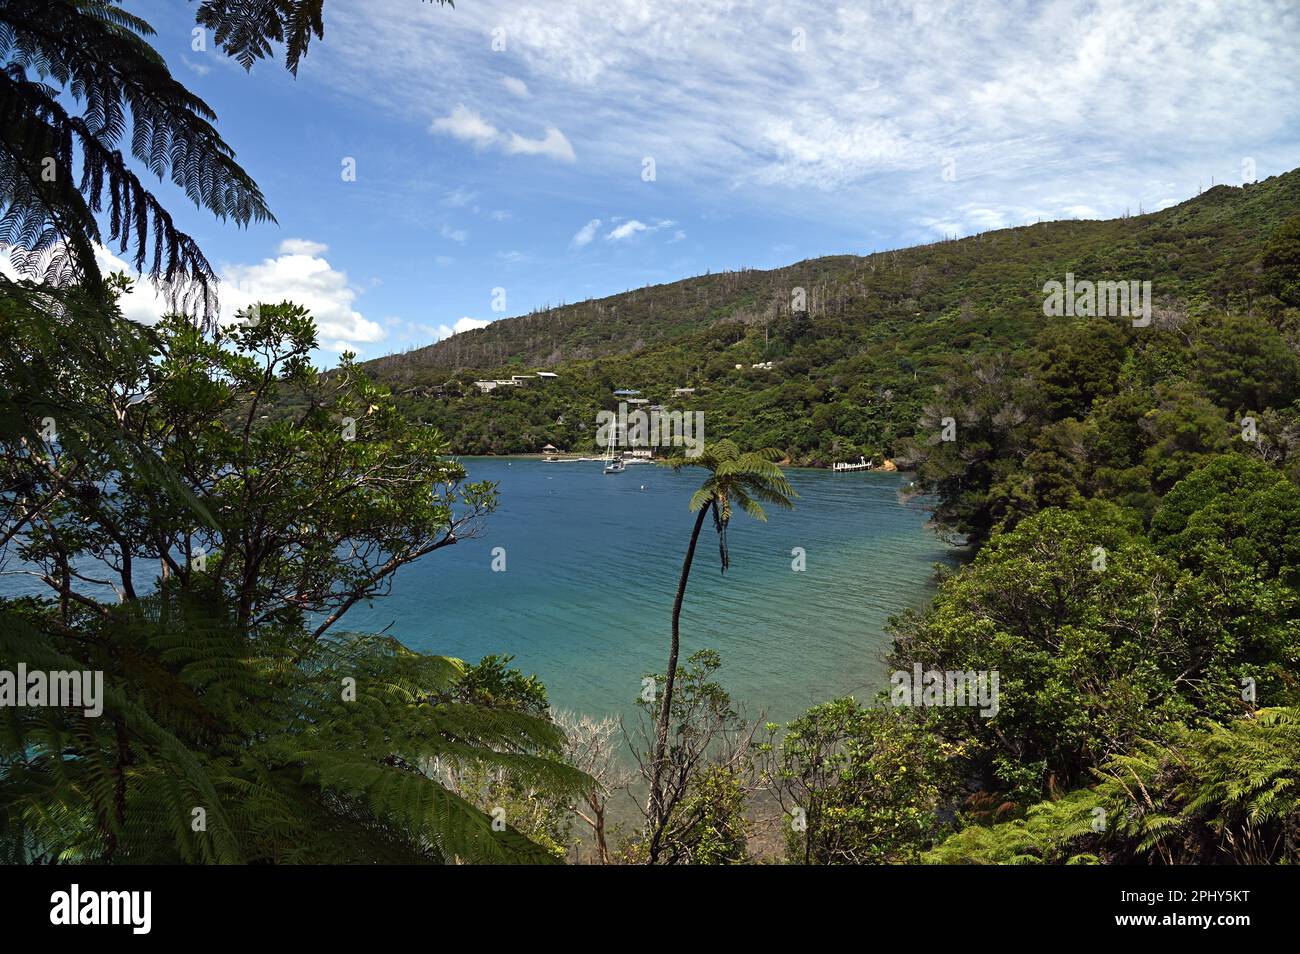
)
(862, 464)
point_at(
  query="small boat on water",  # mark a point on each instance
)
(613, 465)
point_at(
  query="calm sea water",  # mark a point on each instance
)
(592, 563)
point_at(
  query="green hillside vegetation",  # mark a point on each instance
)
(853, 372)
(202, 509)
(1131, 499)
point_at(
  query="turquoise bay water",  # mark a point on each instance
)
(592, 563)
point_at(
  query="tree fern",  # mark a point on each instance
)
(96, 53)
(248, 30)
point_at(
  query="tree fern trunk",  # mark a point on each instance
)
(657, 821)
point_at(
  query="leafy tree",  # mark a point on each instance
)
(1078, 364)
(718, 831)
(1097, 641)
(227, 687)
(1280, 264)
(978, 422)
(861, 785)
(1245, 364)
(703, 773)
(98, 55)
(736, 481)
(307, 517)
(1183, 431)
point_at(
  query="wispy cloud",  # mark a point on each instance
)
(585, 234)
(626, 230)
(630, 227)
(297, 246)
(468, 126)
(431, 333)
(459, 198)
(516, 86)
(553, 144)
(843, 110)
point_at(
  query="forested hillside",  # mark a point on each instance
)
(853, 370)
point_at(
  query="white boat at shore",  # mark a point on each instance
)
(613, 465)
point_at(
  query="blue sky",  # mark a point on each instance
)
(505, 145)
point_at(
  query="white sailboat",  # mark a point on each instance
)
(613, 465)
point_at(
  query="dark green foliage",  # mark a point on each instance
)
(248, 30)
(97, 56)
(200, 558)
(260, 735)
(1079, 364)
(1245, 364)
(703, 775)
(861, 785)
(493, 682)
(1280, 265)
(1220, 795)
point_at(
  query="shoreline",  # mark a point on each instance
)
(574, 460)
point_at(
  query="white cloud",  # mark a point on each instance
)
(626, 230)
(631, 227)
(295, 246)
(298, 274)
(1032, 100)
(469, 126)
(454, 235)
(585, 234)
(438, 332)
(553, 144)
(301, 275)
(516, 86)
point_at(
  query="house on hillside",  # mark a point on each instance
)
(683, 392)
(547, 376)
(486, 386)
(626, 392)
(522, 380)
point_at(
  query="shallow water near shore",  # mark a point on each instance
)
(591, 568)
